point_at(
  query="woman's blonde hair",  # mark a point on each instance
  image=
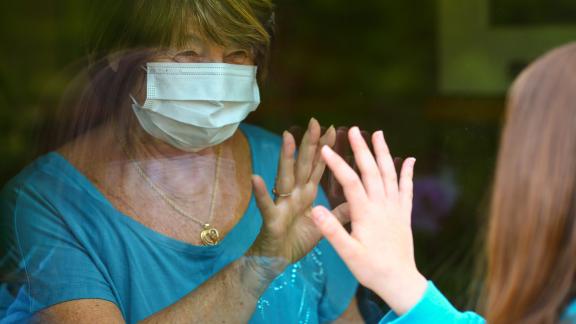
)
(140, 24)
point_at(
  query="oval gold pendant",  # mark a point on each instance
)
(209, 235)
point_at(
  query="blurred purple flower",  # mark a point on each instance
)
(434, 199)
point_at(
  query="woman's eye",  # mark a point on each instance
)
(186, 55)
(238, 56)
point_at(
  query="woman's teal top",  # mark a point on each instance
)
(67, 242)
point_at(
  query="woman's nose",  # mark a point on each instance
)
(212, 59)
(214, 54)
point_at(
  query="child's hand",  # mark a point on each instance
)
(379, 250)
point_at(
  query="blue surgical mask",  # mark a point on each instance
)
(192, 106)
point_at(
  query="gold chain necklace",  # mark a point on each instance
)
(209, 234)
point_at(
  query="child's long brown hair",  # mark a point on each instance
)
(531, 244)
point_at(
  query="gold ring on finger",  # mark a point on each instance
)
(278, 194)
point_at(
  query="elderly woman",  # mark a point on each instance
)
(152, 210)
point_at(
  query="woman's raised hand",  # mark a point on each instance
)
(288, 232)
(379, 250)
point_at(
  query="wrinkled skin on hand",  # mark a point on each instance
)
(288, 232)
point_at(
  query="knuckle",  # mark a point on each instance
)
(351, 180)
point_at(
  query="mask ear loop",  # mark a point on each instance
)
(134, 101)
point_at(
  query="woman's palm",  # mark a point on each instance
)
(288, 231)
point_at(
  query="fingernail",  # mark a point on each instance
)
(355, 130)
(327, 150)
(412, 162)
(312, 120)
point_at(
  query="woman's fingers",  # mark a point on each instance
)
(331, 185)
(329, 138)
(342, 213)
(285, 178)
(406, 185)
(385, 164)
(344, 244)
(351, 183)
(307, 151)
(263, 199)
(366, 164)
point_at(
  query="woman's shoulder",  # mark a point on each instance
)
(61, 172)
(39, 171)
(33, 198)
(47, 178)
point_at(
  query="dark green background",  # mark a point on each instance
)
(541, 12)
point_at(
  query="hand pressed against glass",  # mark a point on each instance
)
(379, 251)
(288, 232)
